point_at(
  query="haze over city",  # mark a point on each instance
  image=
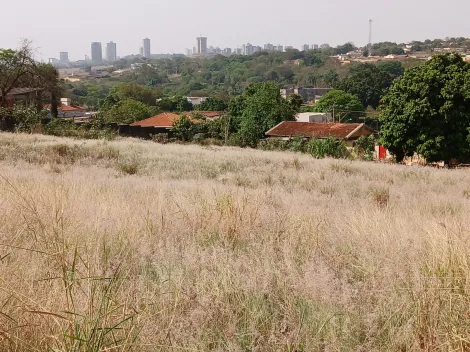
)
(172, 26)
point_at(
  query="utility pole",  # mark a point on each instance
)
(370, 37)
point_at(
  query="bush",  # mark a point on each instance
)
(236, 140)
(95, 129)
(161, 138)
(24, 118)
(183, 128)
(364, 147)
(297, 144)
(273, 144)
(329, 147)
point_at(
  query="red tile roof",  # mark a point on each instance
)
(166, 119)
(208, 113)
(66, 108)
(316, 129)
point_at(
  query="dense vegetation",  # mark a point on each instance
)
(427, 111)
(224, 77)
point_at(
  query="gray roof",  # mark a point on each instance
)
(21, 91)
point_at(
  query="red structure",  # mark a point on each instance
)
(382, 152)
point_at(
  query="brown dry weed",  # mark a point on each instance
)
(135, 246)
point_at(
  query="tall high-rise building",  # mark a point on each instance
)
(146, 46)
(111, 54)
(305, 47)
(314, 46)
(189, 52)
(247, 49)
(269, 47)
(201, 45)
(64, 57)
(96, 53)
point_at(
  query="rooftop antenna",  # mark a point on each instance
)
(370, 37)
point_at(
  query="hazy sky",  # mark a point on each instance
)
(172, 26)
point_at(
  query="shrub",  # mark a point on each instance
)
(381, 197)
(183, 128)
(364, 147)
(236, 140)
(95, 129)
(297, 144)
(273, 144)
(129, 167)
(161, 138)
(329, 147)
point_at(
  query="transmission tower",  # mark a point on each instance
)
(370, 37)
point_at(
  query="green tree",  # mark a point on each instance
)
(296, 101)
(123, 91)
(427, 111)
(263, 109)
(314, 59)
(183, 128)
(175, 103)
(47, 77)
(129, 111)
(16, 69)
(393, 68)
(343, 104)
(368, 82)
(212, 104)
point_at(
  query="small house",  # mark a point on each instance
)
(347, 132)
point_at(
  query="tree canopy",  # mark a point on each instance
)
(427, 111)
(346, 105)
(393, 68)
(129, 111)
(262, 107)
(19, 69)
(368, 82)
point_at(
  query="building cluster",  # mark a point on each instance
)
(97, 58)
(201, 49)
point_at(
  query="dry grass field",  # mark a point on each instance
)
(135, 246)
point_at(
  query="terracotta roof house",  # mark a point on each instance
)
(162, 123)
(163, 120)
(348, 132)
(68, 110)
(166, 119)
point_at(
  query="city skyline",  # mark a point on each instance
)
(318, 22)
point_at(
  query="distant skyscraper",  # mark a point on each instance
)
(201, 45)
(279, 48)
(194, 50)
(227, 51)
(64, 57)
(141, 51)
(247, 49)
(189, 52)
(146, 46)
(314, 46)
(96, 53)
(305, 47)
(269, 47)
(111, 54)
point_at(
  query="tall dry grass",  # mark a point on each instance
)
(135, 246)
